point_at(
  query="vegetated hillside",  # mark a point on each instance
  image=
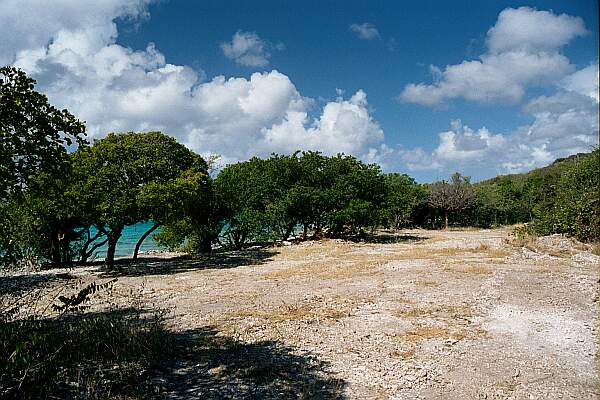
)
(559, 198)
(552, 170)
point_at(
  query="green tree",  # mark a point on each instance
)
(185, 209)
(265, 199)
(356, 194)
(244, 192)
(575, 209)
(134, 177)
(34, 136)
(403, 196)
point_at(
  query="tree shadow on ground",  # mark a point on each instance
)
(387, 238)
(209, 365)
(167, 266)
(130, 353)
(15, 285)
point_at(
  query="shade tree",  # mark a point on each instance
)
(34, 138)
(404, 194)
(132, 177)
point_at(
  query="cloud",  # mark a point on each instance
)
(365, 31)
(80, 66)
(531, 30)
(30, 25)
(344, 126)
(564, 123)
(584, 81)
(523, 50)
(248, 49)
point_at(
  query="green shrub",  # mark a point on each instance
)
(78, 355)
(575, 209)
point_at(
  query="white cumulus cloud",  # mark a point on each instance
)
(344, 126)
(72, 50)
(248, 49)
(523, 50)
(564, 123)
(531, 30)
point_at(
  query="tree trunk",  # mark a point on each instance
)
(305, 232)
(87, 254)
(110, 253)
(206, 245)
(446, 219)
(288, 231)
(55, 251)
(113, 238)
(89, 240)
(142, 238)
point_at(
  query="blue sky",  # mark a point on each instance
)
(344, 71)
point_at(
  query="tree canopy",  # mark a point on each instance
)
(34, 135)
(132, 177)
(61, 198)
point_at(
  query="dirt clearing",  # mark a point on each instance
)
(417, 315)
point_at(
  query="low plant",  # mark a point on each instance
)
(77, 354)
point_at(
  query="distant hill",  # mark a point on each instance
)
(552, 170)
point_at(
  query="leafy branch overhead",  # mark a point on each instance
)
(34, 135)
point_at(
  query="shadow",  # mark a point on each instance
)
(211, 366)
(387, 238)
(129, 353)
(166, 266)
(15, 285)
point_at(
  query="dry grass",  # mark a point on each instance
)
(548, 268)
(464, 229)
(425, 332)
(315, 309)
(330, 260)
(435, 239)
(438, 311)
(521, 241)
(420, 252)
(468, 269)
(335, 259)
(491, 252)
(422, 332)
(328, 269)
(410, 353)
(425, 283)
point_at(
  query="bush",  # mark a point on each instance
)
(78, 355)
(575, 209)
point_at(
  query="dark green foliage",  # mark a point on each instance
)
(244, 192)
(574, 208)
(356, 194)
(33, 133)
(265, 199)
(100, 355)
(34, 137)
(559, 198)
(128, 178)
(404, 195)
(73, 354)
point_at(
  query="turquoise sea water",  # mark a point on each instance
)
(130, 236)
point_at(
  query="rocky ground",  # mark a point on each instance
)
(416, 315)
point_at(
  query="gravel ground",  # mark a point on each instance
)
(414, 315)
